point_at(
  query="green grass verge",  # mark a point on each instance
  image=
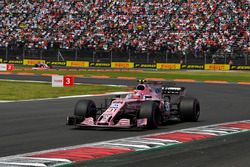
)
(25, 90)
(230, 76)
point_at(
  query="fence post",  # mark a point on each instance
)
(58, 52)
(41, 54)
(185, 58)
(23, 53)
(246, 59)
(111, 56)
(147, 57)
(225, 58)
(93, 56)
(205, 58)
(166, 56)
(6, 52)
(76, 54)
(129, 55)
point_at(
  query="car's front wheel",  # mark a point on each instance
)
(151, 111)
(85, 108)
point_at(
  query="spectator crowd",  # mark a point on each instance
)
(142, 25)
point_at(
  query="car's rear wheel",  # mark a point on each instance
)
(151, 111)
(189, 109)
(85, 108)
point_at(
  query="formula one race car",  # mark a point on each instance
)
(150, 105)
(41, 66)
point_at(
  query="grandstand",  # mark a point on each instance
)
(153, 28)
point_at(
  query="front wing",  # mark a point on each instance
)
(122, 124)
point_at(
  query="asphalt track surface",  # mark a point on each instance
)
(40, 125)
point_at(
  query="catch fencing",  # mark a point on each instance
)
(126, 59)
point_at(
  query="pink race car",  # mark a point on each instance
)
(41, 66)
(150, 105)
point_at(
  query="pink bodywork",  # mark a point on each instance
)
(131, 102)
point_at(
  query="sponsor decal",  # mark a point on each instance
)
(77, 64)
(6, 67)
(14, 61)
(61, 81)
(57, 81)
(93, 64)
(124, 122)
(217, 67)
(233, 67)
(10, 67)
(32, 61)
(88, 121)
(192, 67)
(3, 67)
(115, 105)
(68, 80)
(57, 63)
(168, 66)
(146, 65)
(157, 90)
(122, 65)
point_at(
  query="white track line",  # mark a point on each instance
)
(67, 97)
(77, 83)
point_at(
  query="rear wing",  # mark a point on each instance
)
(164, 87)
(161, 83)
(173, 90)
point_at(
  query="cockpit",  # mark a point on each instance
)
(140, 87)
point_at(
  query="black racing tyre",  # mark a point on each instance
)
(189, 109)
(85, 108)
(151, 111)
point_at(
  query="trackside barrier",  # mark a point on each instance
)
(77, 64)
(145, 65)
(62, 81)
(94, 64)
(122, 65)
(168, 66)
(13, 61)
(56, 63)
(192, 67)
(129, 65)
(217, 67)
(233, 67)
(32, 62)
(6, 67)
